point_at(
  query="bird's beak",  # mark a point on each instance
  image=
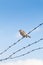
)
(19, 30)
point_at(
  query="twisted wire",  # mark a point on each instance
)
(26, 53)
(10, 56)
(22, 54)
(19, 39)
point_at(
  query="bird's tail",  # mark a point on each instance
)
(28, 36)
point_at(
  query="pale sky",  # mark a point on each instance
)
(24, 62)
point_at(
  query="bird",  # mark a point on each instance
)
(24, 34)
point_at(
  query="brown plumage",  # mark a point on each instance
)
(24, 34)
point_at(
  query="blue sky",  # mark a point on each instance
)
(20, 14)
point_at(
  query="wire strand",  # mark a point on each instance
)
(10, 56)
(26, 53)
(19, 40)
(25, 47)
(22, 54)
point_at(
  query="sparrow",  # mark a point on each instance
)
(23, 33)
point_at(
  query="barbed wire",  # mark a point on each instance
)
(25, 47)
(19, 40)
(22, 54)
(27, 53)
(10, 56)
(35, 28)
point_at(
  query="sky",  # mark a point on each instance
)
(21, 14)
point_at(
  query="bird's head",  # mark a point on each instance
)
(20, 30)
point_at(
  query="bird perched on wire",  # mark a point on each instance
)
(23, 33)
